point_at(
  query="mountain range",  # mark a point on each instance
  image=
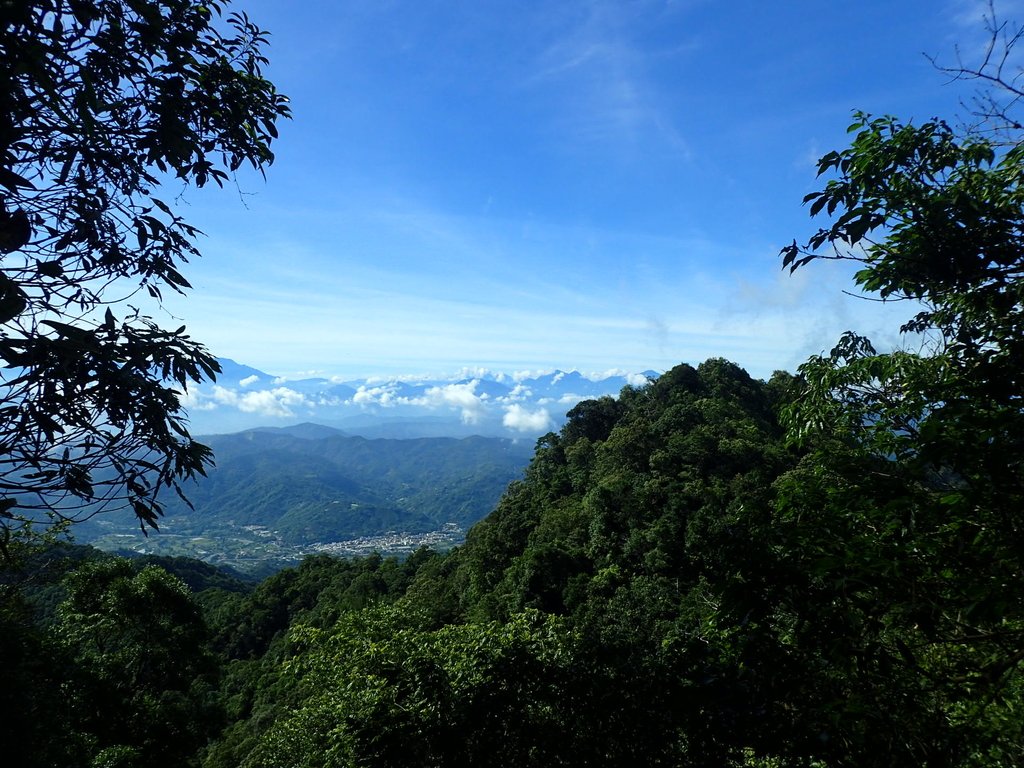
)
(364, 464)
(313, 485)
(486, 403)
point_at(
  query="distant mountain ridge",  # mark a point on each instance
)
(309, 483)
(365, 464)
(306, 430)
(490, 404)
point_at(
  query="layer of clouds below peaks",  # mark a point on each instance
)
(473, 407)
(460, 397)
(516, 404)
(279, 402)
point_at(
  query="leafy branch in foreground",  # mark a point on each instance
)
(102, 101)
(915, 462)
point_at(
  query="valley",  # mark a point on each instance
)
(280, 494)
(255, 549)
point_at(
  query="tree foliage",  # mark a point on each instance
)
(915, 464)
(819, 570)
(142, 671)
(851, 600)
(103, 102)
(383, 692)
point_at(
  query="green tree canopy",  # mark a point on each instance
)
(382, 691)
(142, 669)
(904, 518)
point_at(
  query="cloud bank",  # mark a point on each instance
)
(489, 403)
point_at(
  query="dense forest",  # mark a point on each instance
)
(677, 580)
(821, 569)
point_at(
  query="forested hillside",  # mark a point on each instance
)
(578, 624)
(820, 570)
(674, 582)
(823, 569)
(324, 486)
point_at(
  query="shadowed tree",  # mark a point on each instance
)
(141, 681)
(102, 102)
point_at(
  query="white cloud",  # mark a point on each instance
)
(636, 380)
(249, 380)
(329, 402)
(475, 372)
(519, 392)
(523, 420)
(224, 396)
(633, 379)
(383, 396)
(607, 374)
(277, 402)
(528, 374)
(194, 401)
(461, 396)
(519, 409)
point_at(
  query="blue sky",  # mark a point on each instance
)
(531, 185)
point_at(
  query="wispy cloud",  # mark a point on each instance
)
(598, 66)
(972, 16)
(980, 28)
(511, 186)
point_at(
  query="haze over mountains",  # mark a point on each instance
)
(316, 464)
(481, 403)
